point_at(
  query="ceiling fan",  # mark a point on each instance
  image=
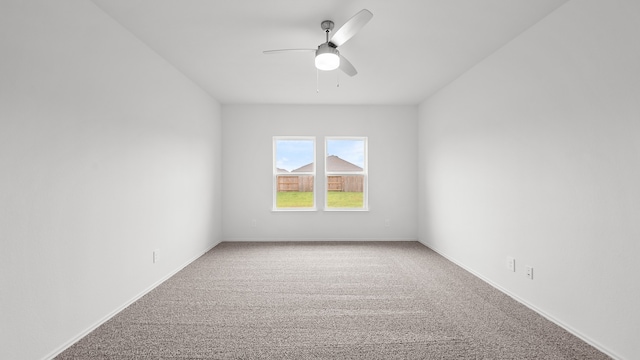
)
(327, 55)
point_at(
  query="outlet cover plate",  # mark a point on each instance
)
(529, 270)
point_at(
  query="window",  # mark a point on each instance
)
(346, 173)
(294, 173)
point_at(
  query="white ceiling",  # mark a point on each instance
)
(409, 50)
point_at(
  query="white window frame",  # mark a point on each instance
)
(364, 173)
(312, 173)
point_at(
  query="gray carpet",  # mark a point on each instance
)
(330, 300)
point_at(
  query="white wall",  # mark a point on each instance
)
(106, 153)
(534, 154)
(248, 132)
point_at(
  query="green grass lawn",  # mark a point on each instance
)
(337, 199)
(292, 199)
(305, 199)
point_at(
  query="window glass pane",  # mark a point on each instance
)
(346, 173)
(345, 155)
(295, 155)
(294, 173)
(294, 191)
(345, 191)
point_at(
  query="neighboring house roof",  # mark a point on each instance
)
(334, 163)
(278, 170)
(306, 168)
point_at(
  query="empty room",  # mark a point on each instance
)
(319, 179)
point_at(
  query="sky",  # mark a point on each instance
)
(292, 154)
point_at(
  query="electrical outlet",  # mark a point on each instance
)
(156, 255)
(511, 264)
(254, 223)
(529, 270)
(387, 222)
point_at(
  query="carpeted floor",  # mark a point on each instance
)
(330, 300)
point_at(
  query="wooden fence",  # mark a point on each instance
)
(302, 183)
(345, 183)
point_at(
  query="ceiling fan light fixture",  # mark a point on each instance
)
(327, 58)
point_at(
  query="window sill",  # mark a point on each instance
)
(345, 209)
(294, 210)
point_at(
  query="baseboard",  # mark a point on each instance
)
(568, 328)
(279, 239)
(86, 332)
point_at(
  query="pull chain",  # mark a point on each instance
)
(338, 78)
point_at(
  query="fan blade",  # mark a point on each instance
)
(351, 27)
(347, 67)
(287, 50)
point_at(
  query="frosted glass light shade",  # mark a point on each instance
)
(327, 58)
